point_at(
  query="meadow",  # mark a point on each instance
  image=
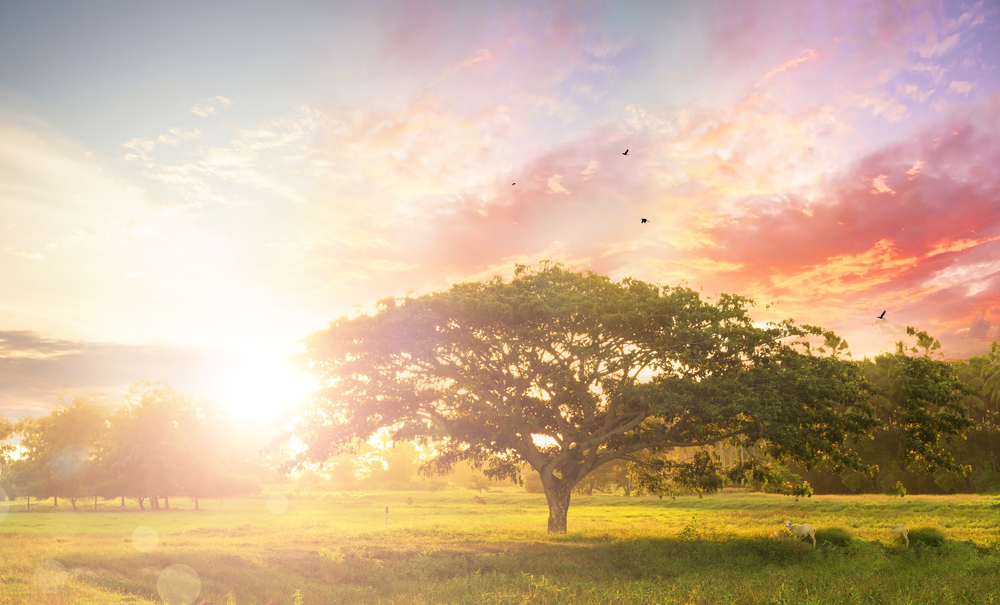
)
(337, 548)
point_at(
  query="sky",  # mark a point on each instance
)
(187, 190)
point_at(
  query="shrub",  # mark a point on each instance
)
(836, 536)
(928, 536)
(533, 482)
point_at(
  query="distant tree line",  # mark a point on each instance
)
(977, 454)
(155, 444)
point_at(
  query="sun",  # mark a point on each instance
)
(260, 386)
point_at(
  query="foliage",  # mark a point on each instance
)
(157, 443)
(837, 536)
(56, 451)
(6, 449)
(308, 480)
(928, 536)
(545, 370)
(990, 375)
(532, 482)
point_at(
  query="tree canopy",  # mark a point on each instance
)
(568, 371)
(157, 443)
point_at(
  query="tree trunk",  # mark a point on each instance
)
(55, 501)
(196, 504)
(558, 507)
(141, 498)
(123, 501)
(166, 502)
(73, 502)
(154, 502)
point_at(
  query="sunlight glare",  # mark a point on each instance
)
(261, 387)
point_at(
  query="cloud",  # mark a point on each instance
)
(936, 72)
(481, 55)
(203, 111)
(209, 110)
(807, 55)
(37, 369)
(962, 87)
(25, 253)
(933, 48)
(879, 186)
(554, 186)
(980, 327)
(928, 252)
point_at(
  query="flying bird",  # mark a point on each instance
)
(512, 184)
(882, 316)
(645, 220)
(626, 152)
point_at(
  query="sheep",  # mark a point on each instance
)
(901, 531)
(801, 531)
(478, 500)
(409, 500)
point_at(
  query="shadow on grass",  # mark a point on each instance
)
(332, 573)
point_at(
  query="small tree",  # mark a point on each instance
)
(479, 482)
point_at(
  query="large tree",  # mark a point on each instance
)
(569, 371)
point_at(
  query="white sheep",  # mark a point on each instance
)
(901, 531)
(801, 531)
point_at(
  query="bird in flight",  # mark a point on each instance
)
(882, 316)
(645, 220)
(626, 152)
(512, 184)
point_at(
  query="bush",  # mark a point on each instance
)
(836, 536)
(928, 536)
(533, 482)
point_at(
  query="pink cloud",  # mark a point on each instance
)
(929, 251)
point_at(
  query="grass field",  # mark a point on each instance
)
(337, 548)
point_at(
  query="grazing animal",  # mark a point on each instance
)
(882, 316)
(901, 531)
(478, 500)
(409, 500)
(801, 531)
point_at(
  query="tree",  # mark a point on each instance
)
(6, 449)
(570, 371)
(991, 374)
(57, 450)
(162, 442)
(142, 454)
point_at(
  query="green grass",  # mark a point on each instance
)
(336, 548)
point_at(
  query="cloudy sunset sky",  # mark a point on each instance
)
(188, 189)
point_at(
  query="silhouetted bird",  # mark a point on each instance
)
(882, 316)
(644, 220)
(512, 184)
(626, 152)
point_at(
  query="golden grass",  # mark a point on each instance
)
(336, 548)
